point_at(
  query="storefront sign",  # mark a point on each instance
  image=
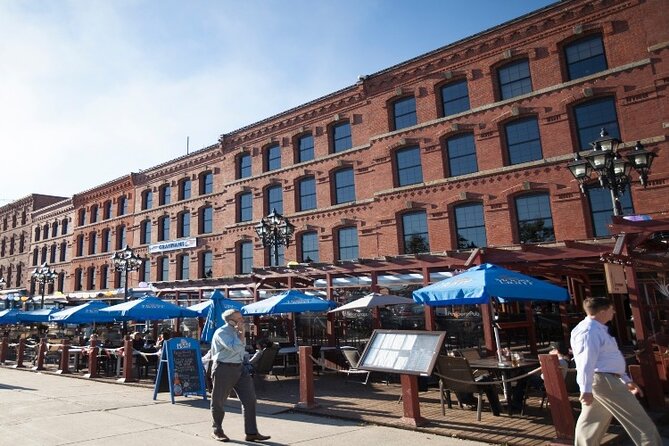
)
(615, 278)
(173, 245)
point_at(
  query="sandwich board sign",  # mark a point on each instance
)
(182, 361)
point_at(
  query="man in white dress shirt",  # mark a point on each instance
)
(228, 347)
(606, 389)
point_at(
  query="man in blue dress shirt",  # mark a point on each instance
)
(228, 347)
(606, 389)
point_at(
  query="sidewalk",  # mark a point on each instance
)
(44, 409)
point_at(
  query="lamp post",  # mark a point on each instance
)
(275, 230)
(125, 261)
(612, 170)
(44, 275)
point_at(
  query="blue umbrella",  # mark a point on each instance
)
(41, 315)
(83, 314)
(202, 308)
(290, 301)
(147, 308)
(479, 284)
(215, 307)
(9, 316)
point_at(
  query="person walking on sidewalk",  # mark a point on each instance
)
(227, 353)
(606, 389)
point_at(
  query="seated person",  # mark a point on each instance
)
(468, 399)
(137, 341)
(149, 344)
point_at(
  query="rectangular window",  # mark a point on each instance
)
(122, 206)
(121, 237)
(184, 267)
(344, 186)
(273, 260)
(415, 234)
(207, 220)
(207, 183)
(185, 190)
(165, 195)
(106, 240)
(184, 225)
(163, 269)
(94, 214)
(455, 97)
(470, 226)
(246, 258)
(273, 158)
(409, 169)
(341, 137)
(206, 264)
(104, 277)
(514, 79)
(92, 243)
(461, 155)
(275, 199)
(147, 200)
(145, 238)
(107, 211)
(523, 141)
(601, 208)
(347, 241)
(145, 272)
(164, 231)
(592, 116)
(305, 149)
(63, 252)
(245, 207)
(244, 165)
(404, 113)
(309, 245)
(535, 221)
(585, 57)
(307, 190)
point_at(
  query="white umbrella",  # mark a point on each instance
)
(374, 300)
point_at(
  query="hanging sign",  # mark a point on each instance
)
(182, 361)
(173, 245)
(615, 278)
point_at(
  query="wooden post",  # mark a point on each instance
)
(486, 322)
(410, 401)
(93, 360)
(20, 353)
(558, 399)
(64, 358)
(531, 328)
(330, 327)
(127, 361)
(430, 318)
(4, 347)
(306, 379)
(41, 353)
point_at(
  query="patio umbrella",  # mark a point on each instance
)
(41, 315)
(9, 316)
(374, 300)
(83, 314)
(482, 283)
(290, 301)
(214, 309)
(147, 308)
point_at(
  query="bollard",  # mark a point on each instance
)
(127, 361)
(41, 353)
(4, 346)
(410, 401)
(20, 354)
(306, 379)
(64, 367)
(558, 399)
(93, 360)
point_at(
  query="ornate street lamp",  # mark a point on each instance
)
(613, 171)
(275, 230)
(44, 275)
(125, 261)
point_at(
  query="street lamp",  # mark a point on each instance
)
(613, 171)
(125, 261)
(44, 275)
(275, 230)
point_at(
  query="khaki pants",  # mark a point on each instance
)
(227, 377)
(613, 399)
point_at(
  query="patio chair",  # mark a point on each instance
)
(266, 363)
(352, 358)
(455, 375)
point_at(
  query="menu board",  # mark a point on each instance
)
(399, 351)
(185, 372)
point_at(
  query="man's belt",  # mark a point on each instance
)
(617, 375)
(230, 364)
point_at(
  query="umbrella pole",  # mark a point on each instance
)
(495, 328)
(295, 329)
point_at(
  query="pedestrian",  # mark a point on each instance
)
(227, 351)
(606, 389)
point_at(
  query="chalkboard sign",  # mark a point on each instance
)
(405, 352)
(185, 374)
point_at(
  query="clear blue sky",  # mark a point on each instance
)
(91, 90)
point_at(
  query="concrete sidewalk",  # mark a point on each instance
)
(44, 409)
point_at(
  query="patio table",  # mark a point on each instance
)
(505, 371)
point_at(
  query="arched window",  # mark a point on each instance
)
(38, 233)
(245, 257)
(244, 207)
(344, 186)
(122, 205)
(147, 199)
(121, 237)
(94, 213)
(106, 240)
(165, 195)
(163, 269)
(107, 210)
(461, 154)
(454, 97)
(272, 157)
(305, 148)
(523, 141)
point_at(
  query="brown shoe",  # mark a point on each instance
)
(218, 435)
(257, 437)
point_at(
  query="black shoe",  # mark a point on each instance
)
(218, 435)
(257, 437)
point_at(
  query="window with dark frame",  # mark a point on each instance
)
(455, 97)
(601, 208)
(165, 195)
(523, 141)
(534, 217)
(185, 189)
(163, 269)
(121, 237)
(244, 166)
(63, 252)
(341, 137)
(309, 247)
(147, 200)
(107, 210)
(206, 183)
(514, 79)
(206, 264)
(145, 232)
(273, 158)
(206, 220)
(106, 240)
(461, 155)
(307, 193)
(347, 243)
(183, 225)
(344, 186)
(94, 213)
(274, 199)
(184, 267)
(409, 169)
(92, 243)
(245, 257)
(590, 117)
(145, 270)
(470, 226)
(163, 228)
(122, 205)
(585, 56)
(305, 148)
(404, 113)
(245, 207)
(415, 236)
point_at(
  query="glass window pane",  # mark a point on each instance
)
(592, 116)
(601, 208)
(404, 113)
(273, 158)
(585, 57)
(245, 207)
(309, 244)
(185, 225)
(535, 221)
(207, 224)
(245, 166)
(207, 264)
(185, 189)
(415, 234)
(184, 261)
(409, 169)
(246, 257)
(514, 79)
(523, 141)
(461, 155)
(470, 226)
(275, 199)
(207, 183)
(344, 186)
(455, 97)
(307, 190)
(347, 239)
(305, 150)
(341, 137)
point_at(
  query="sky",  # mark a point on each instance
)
(92, 90)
